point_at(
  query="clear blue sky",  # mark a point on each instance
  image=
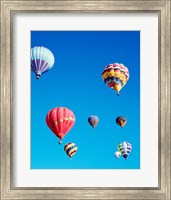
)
(75, 82)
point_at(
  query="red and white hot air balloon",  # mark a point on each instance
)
(60, 120)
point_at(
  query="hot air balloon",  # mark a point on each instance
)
(42, 60)
(60, 120)
(93, 121)
(117, 154)
(121, 121)
(115, 76)
(70, 149)
(125, 148)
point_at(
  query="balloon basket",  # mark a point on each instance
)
(37, 76)
(60, 142)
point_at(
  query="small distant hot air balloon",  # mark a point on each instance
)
(121, 121)
(117, 154)
(42, 60)
(115, 76)
(70, 149)
(93, 121)
(125, 148)
(60, 120)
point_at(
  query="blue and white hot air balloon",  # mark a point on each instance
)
(42, 60)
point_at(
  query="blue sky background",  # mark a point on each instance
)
(75, 82)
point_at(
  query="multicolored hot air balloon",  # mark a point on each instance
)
(125, 148)
(70, 149)
(60, 120)
(115, 76)
(93, 121)
(42, 60)
(121, 121)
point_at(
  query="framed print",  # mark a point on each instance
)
(85, 100)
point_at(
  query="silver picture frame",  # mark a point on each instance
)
(163, 10)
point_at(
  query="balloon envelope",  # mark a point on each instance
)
(125, 148)
(117, 154)
(115, 76)
(93, 121)
(60, 120)
(42, 60)
(70, 149)
(121, 121)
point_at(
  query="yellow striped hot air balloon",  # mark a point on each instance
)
(115, 76)
(70, 149)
